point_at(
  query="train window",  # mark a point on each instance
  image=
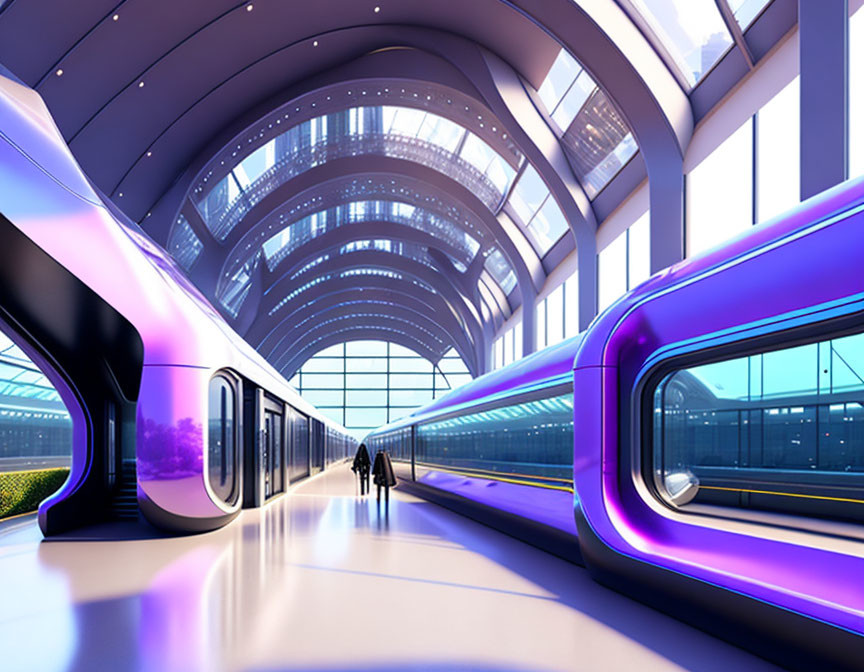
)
(530, 443)
(780, 431)
(222, 440)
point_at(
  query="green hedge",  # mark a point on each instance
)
(22, 491)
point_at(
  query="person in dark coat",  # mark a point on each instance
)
(361, 466)
(382, 474)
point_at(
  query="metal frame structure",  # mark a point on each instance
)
(147, 125)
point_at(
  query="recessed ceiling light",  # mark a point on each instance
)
(121, 194)
(140, 85)
(315, 43)
(377, 9)
(149, 153)
(116, 17)
(250, 7)
(59, 72)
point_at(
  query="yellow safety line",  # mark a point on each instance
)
(783, 494)
(507, 473)
(495, 478)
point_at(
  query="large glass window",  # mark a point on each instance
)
(531, 443)
(856, 94)
(370, 383)
(625, 263)
(35, 433)
(612, 272)
(222, 440)
(780, 430)
(557, 316)
(720, 193)
(778, 157)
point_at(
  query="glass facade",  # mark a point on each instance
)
(365, 384)
(856, 94)
(35, 427)
(720, 193)
(751, 177)
(625, 263)
(531, 442)
(780, 430)
(557, 316)
(778, 153)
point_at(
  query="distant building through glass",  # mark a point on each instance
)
(365, 384)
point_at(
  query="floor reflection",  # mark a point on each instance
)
(324, 580)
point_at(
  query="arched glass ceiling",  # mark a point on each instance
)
(431, 208)
(235, 283)
(595, 136)
(234, 286)
(405, 133)
(358, 273)
(279, 246)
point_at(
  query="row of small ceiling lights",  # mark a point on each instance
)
(264, 235)
(355, 98)
(249, 8)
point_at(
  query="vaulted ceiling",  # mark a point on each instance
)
(341, 169)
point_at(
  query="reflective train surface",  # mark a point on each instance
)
(173, 413)
(701, 445)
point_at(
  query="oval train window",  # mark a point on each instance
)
(222, 440)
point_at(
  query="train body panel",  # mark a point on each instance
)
(738, 295)
(687, 490)
(44, 194)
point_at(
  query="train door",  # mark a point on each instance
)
(299, 462)
(316, 446)
(271, 447)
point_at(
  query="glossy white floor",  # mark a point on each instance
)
(323, 580)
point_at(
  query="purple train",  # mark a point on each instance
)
(711, 426)
(173, 412)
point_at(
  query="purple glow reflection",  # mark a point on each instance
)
(543, 505)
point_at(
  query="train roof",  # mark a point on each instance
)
(547, 368)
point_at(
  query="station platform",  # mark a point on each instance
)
(322, 579)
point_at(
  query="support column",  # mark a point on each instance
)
(666, 200)
(824, 67)
(529, 341)
(587, 287)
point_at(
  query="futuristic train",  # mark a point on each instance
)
(700, 447)
(172, 411)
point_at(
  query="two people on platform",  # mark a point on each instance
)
(381, 470)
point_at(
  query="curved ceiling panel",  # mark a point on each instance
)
(295, 154)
